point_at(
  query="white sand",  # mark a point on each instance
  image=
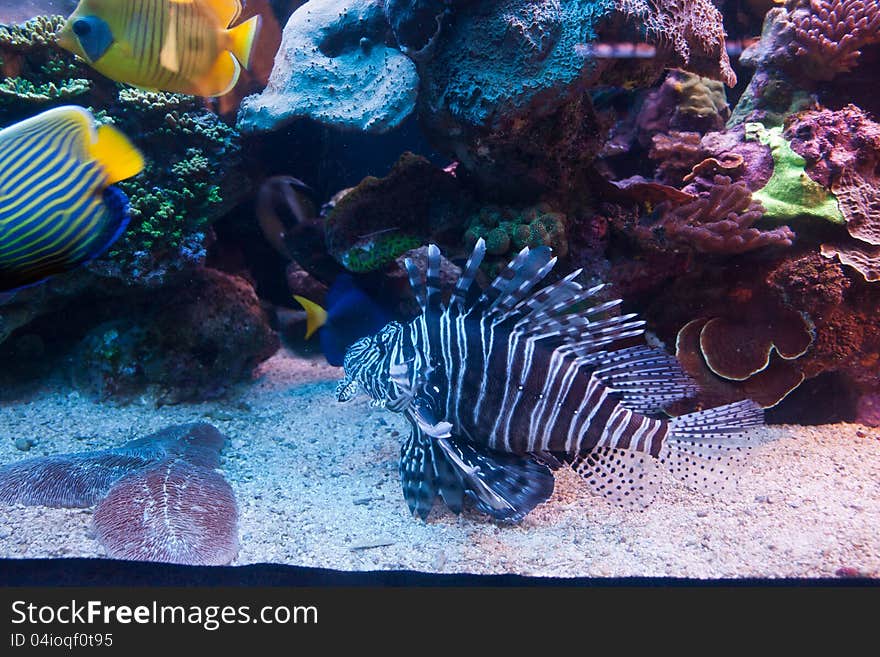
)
(317, 485)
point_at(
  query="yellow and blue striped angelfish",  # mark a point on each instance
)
(184, 46)
(57, 207)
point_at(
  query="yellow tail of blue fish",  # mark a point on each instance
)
(57, 210)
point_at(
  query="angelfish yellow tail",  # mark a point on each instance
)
(242, 38)
(316, 316)
(119, 157)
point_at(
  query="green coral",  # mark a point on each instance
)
(379, 251)
(699, 96)
(34, 34)
(36, 71)
(507, 230)
(790, 193)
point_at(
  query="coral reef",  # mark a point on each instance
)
(693, 27)
(36, 72)
(767, 385)
(334, 67)
(173, 512)
(83, 479)
(676, 153)
(719, 221)
(416, 23)
(381, 218)
(791, 193)
(206, 334)
(863, 258)
(508, 230)
(829, 34)
(684, 103)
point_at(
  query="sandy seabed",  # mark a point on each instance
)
(317, 485)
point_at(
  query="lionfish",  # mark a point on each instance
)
(503, 386)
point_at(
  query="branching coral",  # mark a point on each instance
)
(720, 221)
(694, 28)
(829, 34)
(34, 70)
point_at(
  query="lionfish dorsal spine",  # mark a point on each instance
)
(463, 286)
(415, 282)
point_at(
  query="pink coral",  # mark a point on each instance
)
(831, 33)
(720, 221)
(677, 153)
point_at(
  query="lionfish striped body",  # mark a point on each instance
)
(502, 385)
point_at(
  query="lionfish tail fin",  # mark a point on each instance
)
(705, 449)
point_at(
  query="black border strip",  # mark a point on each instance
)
(109, 572)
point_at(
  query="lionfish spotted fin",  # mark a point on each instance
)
(627, 478)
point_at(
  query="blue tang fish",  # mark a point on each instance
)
(350, 315)
(58, 209)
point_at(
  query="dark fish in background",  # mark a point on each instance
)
(350, 315)
(499, 386)
(58, 208)
(288, 217)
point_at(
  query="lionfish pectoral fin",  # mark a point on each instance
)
(417, 473)
(505, 486)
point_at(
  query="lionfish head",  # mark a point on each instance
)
(367, 363)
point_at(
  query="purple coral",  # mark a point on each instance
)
(720, 221)
(677, 153)
(831, 33)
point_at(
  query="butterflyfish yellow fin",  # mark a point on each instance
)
(117, 155)
(242, 39)
(169, 57)
(316, 316)
(220, 80)
(226, 11)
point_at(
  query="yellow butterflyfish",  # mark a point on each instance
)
(182, 46)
